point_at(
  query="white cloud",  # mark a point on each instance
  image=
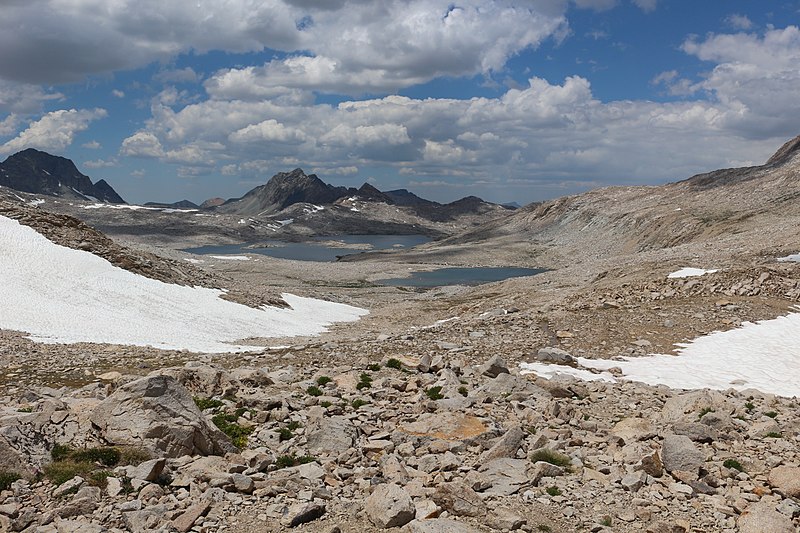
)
(142, 144)
(646, 5)
(184, 75)
(23, 98)
(538, 133)
(139, 173)
(55, 131)
(117, 93)
(92, 145)
(385, 46)
(347, 46)
(8, 126)
(756, 75)
(739, 22)
(101, 163)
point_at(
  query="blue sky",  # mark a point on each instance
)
(507, 100)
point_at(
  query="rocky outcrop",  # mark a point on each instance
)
(158, 413)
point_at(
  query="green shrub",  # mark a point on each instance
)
(60, 452)
(365, 381)
(7, 478)
(207, 403)
(314, 391)
(544, 527)
(704, 411)
(733, 464)
(771, 414)
(463, 391)
(358, 402)
(284, 434)
(553, 491)
(394, 363)
(61, 471)
(105, 456)
(227, 424)
(325, 404)
(323, 380)
(130, 455)
(550, 456)
(374, 367)
(773, 435)
(606, 521)
(434, 393)
(749, 406)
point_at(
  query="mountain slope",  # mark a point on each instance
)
(38, 172)
(752, 208)
(283, 190)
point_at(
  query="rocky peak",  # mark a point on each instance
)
(785, 152)
(38, 172)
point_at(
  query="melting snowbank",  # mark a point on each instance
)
(60, 295)
(689, 272)
(763, 356)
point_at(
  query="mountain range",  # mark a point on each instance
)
(38, 172)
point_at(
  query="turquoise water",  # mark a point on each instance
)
(460, 276)
(315, 249)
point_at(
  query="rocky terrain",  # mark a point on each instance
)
(417, 417)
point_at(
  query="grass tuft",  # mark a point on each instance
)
(551, 456)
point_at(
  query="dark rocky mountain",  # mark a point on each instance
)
(289, 188)
(183, 204)
(283, 190)
(407, 198)
(38, 172)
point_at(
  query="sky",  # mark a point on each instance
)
(512, 101)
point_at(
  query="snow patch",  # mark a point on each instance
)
(762, 355)
(689, 272)
(193, 261)
(552, 371)
(231, 257)
(59, 295)
(35, 202)
(794, 258)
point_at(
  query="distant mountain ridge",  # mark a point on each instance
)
(288, 188)
(37, 172)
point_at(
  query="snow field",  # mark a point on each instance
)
(60, 295)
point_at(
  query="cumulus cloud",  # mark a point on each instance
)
(55, 131)
(389, 45)
(755, 74)
(23, 98)
(51, 41)
(345, 46)
(542, 131)
(92, 145)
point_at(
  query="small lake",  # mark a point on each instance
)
(460, 276)
(318, 248)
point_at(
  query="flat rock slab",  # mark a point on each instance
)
(446, 426)
(389, 506)
(506, 475)
(185, 521)
(786, 479)
(762, 517)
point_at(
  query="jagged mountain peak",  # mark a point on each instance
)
(38, 172)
